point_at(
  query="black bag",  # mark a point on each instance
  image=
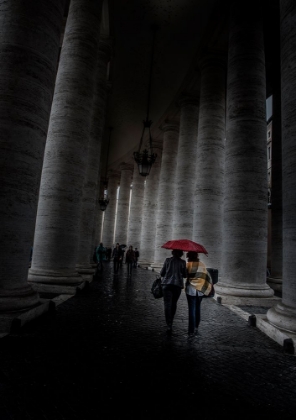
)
(156, 288)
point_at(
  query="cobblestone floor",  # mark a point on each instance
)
(105, 355)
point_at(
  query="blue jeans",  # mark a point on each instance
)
(194, 303)
(171, 295)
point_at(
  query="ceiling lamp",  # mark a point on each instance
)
(104, 201)
(146, 158)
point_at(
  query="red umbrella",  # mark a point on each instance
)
(185, 245)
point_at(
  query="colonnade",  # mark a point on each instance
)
(209, 182)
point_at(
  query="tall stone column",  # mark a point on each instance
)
(110, 212)
(60, 201)
(136, 209)
(283, 315)
(98, 219)
(186, 168)
(99, 214)
(165, 198)
(123, 203)
(91, 186)
(149, 212)
(244, 257)
(275, 279)
(209, 162)
(26, 87)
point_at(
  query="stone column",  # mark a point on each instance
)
(209, 162)
(283, 315)
(165, 198)
(276, 261)
(136, 209)
(186, 168)
(123, 203)
(110, 212)
(99, 214)
(244, 257)
(59, 209)
(98, 219)
(91, 186)
(27, 87)
(149, 212)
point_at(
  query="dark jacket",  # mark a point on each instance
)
(174, 271)
(117, 253)
(130, 256)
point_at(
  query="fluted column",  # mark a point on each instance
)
(91, 186)
(244, 257)
(283, 315)
(165, 198)
(110, 212)
(99, 214)
(149, 212)
(26, 87)
(136, 208)
(126, 171)
(59, 209)
(98, 219)
(209, 162)
(186, 168)
(276, 261)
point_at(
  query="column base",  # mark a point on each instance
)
(275, 283)
(18, 299)
(60, 289)
(54, 277)
(86, 272)
(283, 317)
(11, 322)
(156, 267)
(244, 290)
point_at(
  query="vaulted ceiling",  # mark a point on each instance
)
(186, 30)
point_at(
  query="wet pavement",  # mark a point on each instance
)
(104, 354)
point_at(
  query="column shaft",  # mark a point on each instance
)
(244, 258)
(186, 169)
(123, 203)
(91, 187)
(283, 315)
(110, 212)
(209, 162)
(59, 209)
(30, 40)
(165, 198)
(149, 212)
(136, 209)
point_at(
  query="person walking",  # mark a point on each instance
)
(100, 255)
(130, 260)
(117, 256)
(196, 274)
(173, 274)
(122, 247)
(137, 254)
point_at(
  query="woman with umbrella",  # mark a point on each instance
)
(173, 273)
